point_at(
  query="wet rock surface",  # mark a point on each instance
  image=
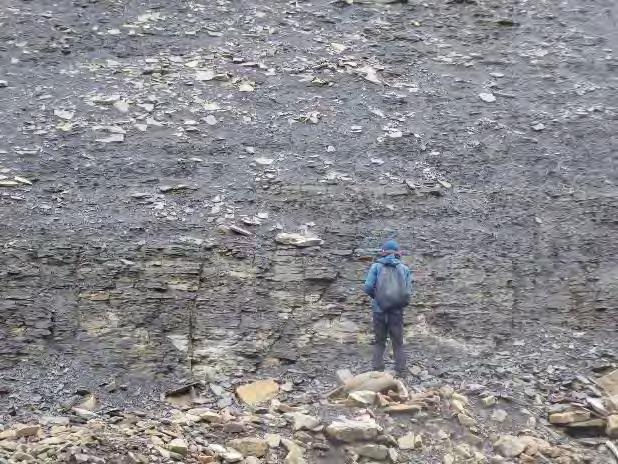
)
(191, 194)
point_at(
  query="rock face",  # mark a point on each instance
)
(352, 430)
(257, 392)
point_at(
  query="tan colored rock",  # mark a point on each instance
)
(459, 397)
(9, 445)
(489, 401)
(373, 451)
(499, 415)
(206, 415)
(568, 417)
(178, 446)
(349, 431)
(458, 406)
(22, 431)
(446, 391)
(407, 442)
(510, 446)
(371, 381)
(363, 397)
(612, 426)
(403, 408)
(250, 446)
(258, 392)
(20, 456)
(448, 459)
(273, 439)
(466, 420)
(611, 403)
(89, 404)
(304, 421)
(9, 434)
(298, 240)
(609, 383)
(295, 453)
(463, 450)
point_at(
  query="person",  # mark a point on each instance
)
(388, 319)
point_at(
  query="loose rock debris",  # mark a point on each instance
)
(263, 426)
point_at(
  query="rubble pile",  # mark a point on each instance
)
(371, 417)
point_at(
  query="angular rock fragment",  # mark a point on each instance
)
(609, 383)
(304, 421)
(257, 392)
(487, 97)
(250, 446)
(298, 240)
(510, 446)
(179, 446)
(295, 452)
(373, 451)
(568, 417)
(407, 442)
(349, 431)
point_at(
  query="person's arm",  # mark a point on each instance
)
(371, 279)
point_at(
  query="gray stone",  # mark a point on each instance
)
(373, 451)
(349, 431)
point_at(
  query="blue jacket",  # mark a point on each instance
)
(374, 270)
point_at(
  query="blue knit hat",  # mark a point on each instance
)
(390, 245)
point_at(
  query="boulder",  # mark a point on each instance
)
(250, 446)
(349, 431)
(257, 392)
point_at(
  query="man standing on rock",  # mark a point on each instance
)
(389, 284)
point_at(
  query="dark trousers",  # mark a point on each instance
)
(388, 324)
